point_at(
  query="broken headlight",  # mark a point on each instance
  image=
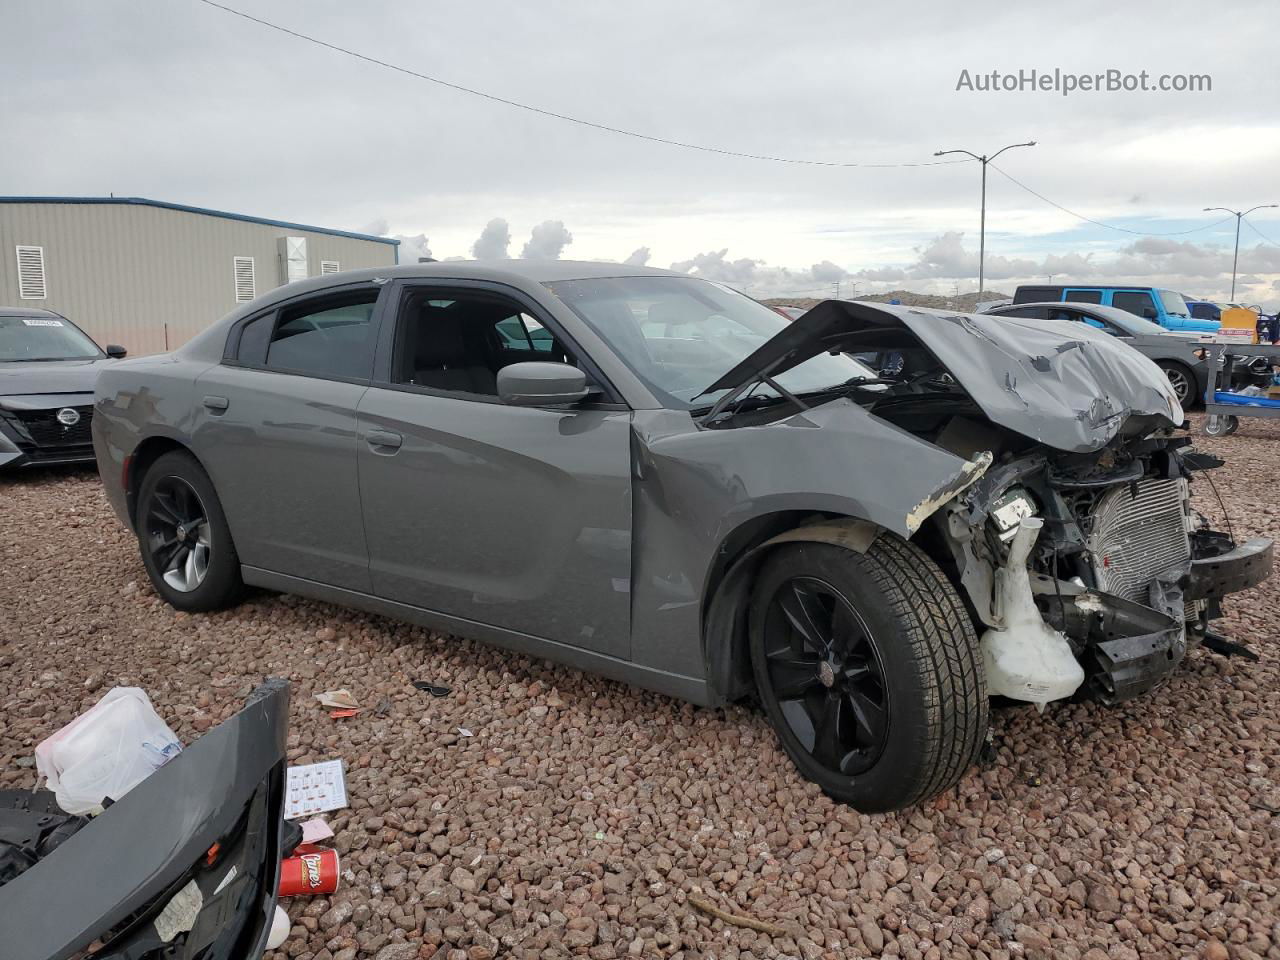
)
(1009, 510)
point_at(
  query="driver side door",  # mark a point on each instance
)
(513, 517)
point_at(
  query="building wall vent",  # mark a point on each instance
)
(293, 259)
(329, 266)
(246, 287)
(31, 285)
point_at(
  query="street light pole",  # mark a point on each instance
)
(982, 223)
(1239, 215)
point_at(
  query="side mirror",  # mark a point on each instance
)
(1149, 312)
(115, 351)
(538, 383)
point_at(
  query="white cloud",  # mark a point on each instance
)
(493, 241)
(547, 241)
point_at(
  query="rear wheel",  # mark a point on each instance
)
(183, 535)
(869, 670)
(1182, 381)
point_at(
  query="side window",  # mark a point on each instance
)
(521, 333)
(329, 337)
(254, 337)
(458, 342)
(1031, 313)
(1076, 316)
(1084, 296)
(1135, 302)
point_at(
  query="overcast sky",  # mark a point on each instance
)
(177, 101)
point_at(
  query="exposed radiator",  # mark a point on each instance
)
(1136, 538)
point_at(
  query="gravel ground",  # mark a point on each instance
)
(582, 814)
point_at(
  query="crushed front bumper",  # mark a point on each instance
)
(1245, 566)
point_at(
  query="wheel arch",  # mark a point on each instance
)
(140, 461)
(738, 560)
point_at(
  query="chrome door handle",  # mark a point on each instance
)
(217, 403)
(384, 438)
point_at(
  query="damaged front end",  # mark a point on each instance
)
(1073, 538)
(1118, 582)
(184, 866)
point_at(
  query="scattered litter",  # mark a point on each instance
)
(106, 751)
(433, 688)
(599, 834)
(464, 732)
(383, 707)
(311, 871)
(1035, 780)
(706, 906)
(315, 788)
(179, 914)
(343, 714)
(279, 929)
(315, 830)
(341, 699)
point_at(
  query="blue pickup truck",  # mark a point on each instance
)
(1164, 307)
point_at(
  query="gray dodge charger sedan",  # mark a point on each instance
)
(655, 478)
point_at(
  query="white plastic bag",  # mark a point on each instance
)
(106, 751)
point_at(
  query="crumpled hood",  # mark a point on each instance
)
(1072, 393)
(51, 376)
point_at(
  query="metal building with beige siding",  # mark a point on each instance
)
(150, 275)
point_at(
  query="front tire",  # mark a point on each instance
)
(869, 669)
(183, 536)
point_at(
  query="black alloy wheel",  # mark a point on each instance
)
(826, 674)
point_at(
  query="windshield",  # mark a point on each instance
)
(43, 338)
(1173, 303)
(681, 334)
(1130, 324)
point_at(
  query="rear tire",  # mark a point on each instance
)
(1182, 380)
(183, 536)
(892, 707)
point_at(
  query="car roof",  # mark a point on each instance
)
(28, 312)
(1100, 310)
(539, 271)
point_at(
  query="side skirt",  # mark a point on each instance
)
(675, 685)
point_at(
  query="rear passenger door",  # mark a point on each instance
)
(276, 429)
(511, 517)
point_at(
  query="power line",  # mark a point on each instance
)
(1264, 237)
(563, 116)
(1099, 223)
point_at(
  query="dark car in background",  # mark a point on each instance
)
(48, 367)
(1180, 356)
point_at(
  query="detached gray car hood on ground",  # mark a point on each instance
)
(1074, 395)
(130, 860)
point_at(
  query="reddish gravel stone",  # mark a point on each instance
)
(582, 813)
